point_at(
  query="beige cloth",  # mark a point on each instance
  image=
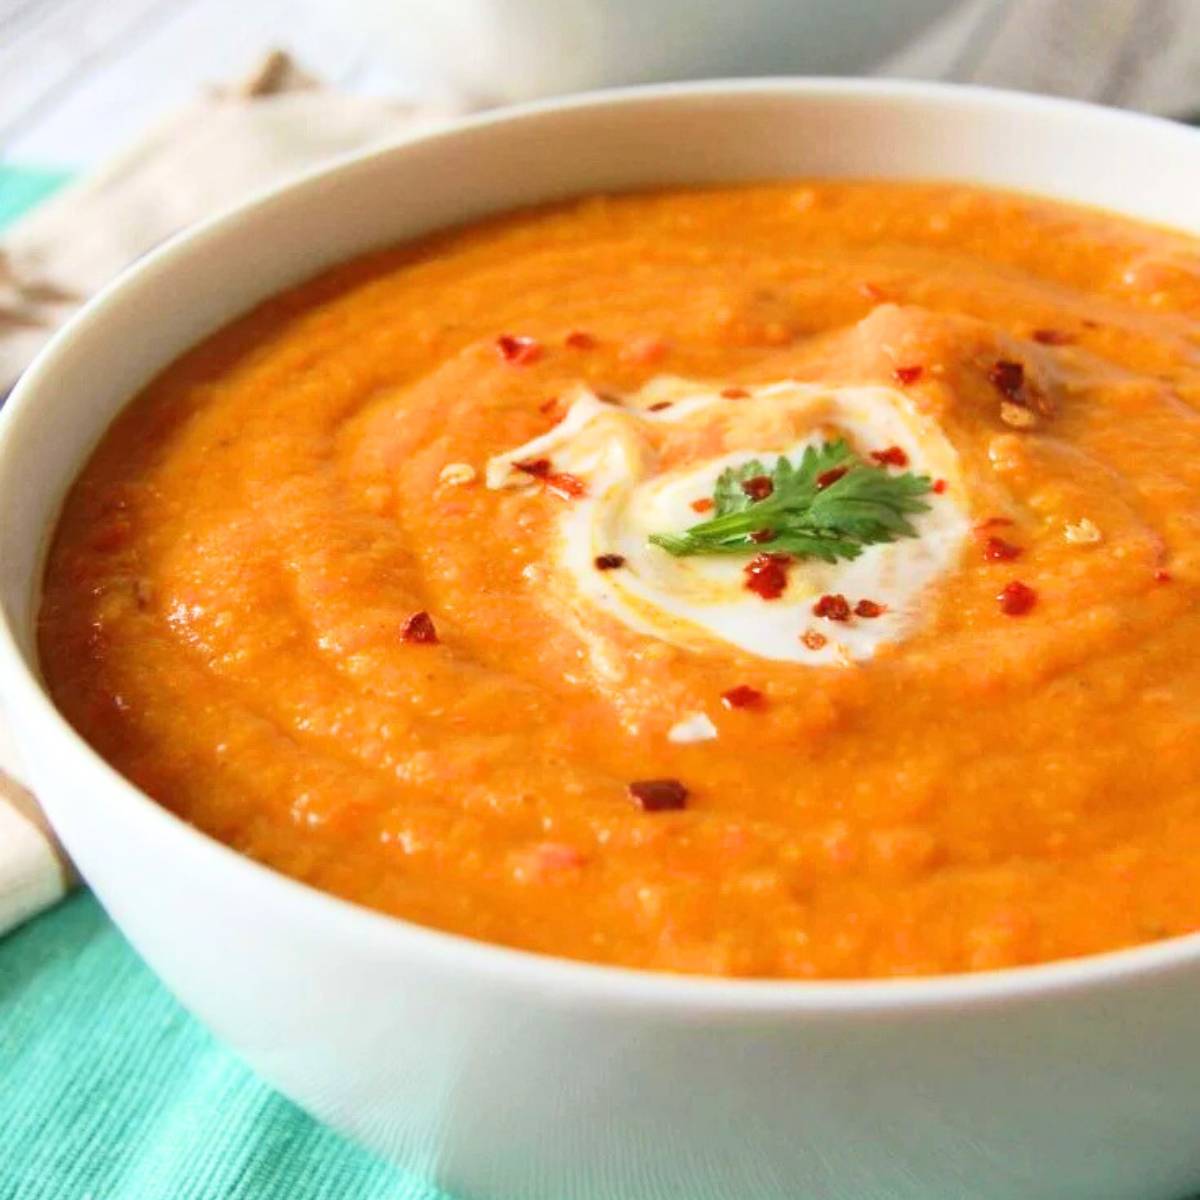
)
(222, 148)
(225, 146)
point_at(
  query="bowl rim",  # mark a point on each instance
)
(389, 936)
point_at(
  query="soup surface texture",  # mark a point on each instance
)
(363, 585)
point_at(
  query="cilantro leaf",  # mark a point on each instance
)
(829, 506)
(728, 496)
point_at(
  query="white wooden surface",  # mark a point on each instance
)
(79, 78)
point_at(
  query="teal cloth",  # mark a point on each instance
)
(110, 1091)
(22, 188)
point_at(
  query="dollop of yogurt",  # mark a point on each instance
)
(647, 461)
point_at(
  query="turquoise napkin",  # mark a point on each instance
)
(110, 1091)
(23, 188)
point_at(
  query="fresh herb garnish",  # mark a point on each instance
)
(859, 505)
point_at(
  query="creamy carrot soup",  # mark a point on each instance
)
(793, 580)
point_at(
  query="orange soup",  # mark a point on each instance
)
(793, 580)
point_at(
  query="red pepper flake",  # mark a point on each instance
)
(644, 349)
(1008, 378)
(559, 482)
(992, 523)
(766, 575)
(758, 488)
(704, 504)
(1016, 599)
(609, 562)
(1162, 576)
(568, 487)
(734, 393)
(1052, 337)
(827, 478)
(419, 629)
(814, 640)
(741, 696)
(893, 456)
(520, 351)
(658, 795)
(659, 406)
(909, 375)
(833, 607)
(939, 486)
(997, 549)
(869, 608)
(763, 535)
(554, 856)
(578, 339)
(548, 406)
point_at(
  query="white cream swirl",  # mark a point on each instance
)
(645, 462)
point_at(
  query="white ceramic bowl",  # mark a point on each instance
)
(503, 1074)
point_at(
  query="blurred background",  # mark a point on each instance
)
(81, 78)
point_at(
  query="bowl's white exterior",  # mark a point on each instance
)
(506, 1075)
